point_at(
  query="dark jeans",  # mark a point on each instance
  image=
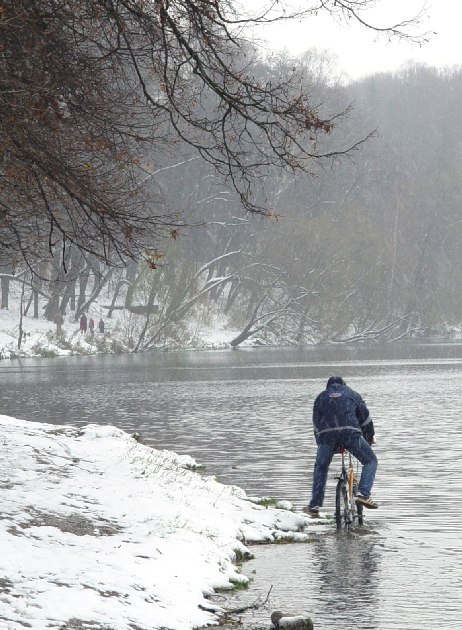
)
(359, 448)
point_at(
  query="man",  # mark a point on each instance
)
(341, 419)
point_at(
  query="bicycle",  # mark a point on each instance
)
(347, 511)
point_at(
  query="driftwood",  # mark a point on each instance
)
(279, 620)
(256, 604)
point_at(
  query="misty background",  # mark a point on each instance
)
(364, 247)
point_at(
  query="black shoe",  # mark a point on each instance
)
(367, 502)
(313, 512)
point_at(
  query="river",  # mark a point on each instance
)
(246, 415)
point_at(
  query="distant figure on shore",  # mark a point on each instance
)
(101, 326)
(91, 326)
(59, 320)
(83, 324)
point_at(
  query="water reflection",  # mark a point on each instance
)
(336, 580)
(348, 579)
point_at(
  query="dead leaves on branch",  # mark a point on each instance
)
(153, 260)
(88, 90)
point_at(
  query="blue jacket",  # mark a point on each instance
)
(337, 412)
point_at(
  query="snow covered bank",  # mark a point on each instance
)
(100, 531)
(40, 337)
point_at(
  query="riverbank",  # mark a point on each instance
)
(31, 337)
(101, 530)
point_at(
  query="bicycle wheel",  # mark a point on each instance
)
(356, 508)
(343, 513)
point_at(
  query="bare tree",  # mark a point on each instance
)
(89, 88)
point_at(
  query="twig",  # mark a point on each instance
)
(254, 606)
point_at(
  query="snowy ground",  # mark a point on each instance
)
(41, 339)
(99, 531)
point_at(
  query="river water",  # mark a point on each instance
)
(246, 415)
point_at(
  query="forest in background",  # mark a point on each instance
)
(366, 247)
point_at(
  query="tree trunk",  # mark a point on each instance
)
(5, 292)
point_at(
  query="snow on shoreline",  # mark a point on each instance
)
(99, 529)
(40, 338)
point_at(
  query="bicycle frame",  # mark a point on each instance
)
(347, 511)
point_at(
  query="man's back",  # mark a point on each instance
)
(338, 409)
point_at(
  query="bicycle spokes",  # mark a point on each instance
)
(347, 512)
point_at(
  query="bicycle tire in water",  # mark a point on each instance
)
(357, 507)
(343, 515)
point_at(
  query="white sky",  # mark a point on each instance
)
(360, 53)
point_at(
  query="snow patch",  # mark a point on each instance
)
(99, 528)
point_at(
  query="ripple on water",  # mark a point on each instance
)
(251, 426)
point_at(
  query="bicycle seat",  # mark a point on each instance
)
(340, 450)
